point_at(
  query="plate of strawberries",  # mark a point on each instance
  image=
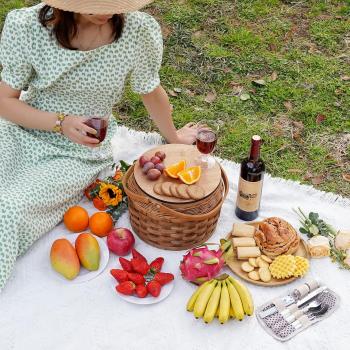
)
(140, 282)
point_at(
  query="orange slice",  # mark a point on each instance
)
(191, 175)
(174, 169)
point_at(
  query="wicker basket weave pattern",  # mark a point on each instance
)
(173, 226)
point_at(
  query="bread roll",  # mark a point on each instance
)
(248, 252)
(243, 230)
(243, 242)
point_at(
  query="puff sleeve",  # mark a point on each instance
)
(15, 50)
(149, 52)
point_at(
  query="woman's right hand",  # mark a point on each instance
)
(75, 129)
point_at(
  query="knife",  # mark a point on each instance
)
(289, 300)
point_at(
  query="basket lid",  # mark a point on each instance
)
(209, 180)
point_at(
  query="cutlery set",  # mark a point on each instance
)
(290, 314)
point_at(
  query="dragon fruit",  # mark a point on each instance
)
(201, 264)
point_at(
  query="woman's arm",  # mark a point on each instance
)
(158, 107)
(18, 112)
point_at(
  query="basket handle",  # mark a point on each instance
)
(173, 212)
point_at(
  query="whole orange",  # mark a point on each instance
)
(76, 219)
(101, 223)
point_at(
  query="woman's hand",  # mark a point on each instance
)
(187, 135)
(75, 129)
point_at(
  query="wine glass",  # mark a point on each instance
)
(98, 120)
(206, 141)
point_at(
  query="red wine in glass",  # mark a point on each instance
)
(206, 141)
(100, 125)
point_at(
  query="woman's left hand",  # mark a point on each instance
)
(187, 135)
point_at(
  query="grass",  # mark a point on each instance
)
(301, 49)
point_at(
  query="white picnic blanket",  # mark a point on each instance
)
(40, 311)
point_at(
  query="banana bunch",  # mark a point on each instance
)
(223, 297)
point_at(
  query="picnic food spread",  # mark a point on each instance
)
(268, 252)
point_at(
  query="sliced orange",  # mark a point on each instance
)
(190, 175)
(174, 169)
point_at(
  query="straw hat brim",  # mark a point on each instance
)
(98, 7)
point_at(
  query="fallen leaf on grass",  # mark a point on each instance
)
(177, 90)
(244, 97)
(259, 82)
(272, 47)
(273, 76)
(172, 93)
(308, 175)
(198, 34)
(345, 77)
(227, 70)
(320, 118)
(294, 171)
(297, 130)
(288, 105)
(211, 97)
(346, 177)
(189, 92)
(317, 180)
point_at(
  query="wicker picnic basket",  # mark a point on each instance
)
(173, 226)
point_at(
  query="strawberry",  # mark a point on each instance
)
(139, 265)
(163, 277)
(137, 278)
(126, 264)
(126, 287)
(120, 275)
(99, 204)
(136, 254)
(156, 265)
(141, 291)
(154, 288)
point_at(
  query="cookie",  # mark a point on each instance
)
(182, 191)
(173, 190)
(166, 189)
(195, 192)
(265, 274)
(157, 188)
(261, 262)
(254, 275)
(302, 266)
(252, 261)
(283, 266)
(266, 258)
(246, 267)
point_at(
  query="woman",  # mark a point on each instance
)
(72, 59)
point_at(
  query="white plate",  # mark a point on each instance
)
(148, 300)
(84, 274)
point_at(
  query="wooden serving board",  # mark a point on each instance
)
(235, 265)
(210, 178)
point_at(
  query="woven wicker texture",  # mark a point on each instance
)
(173, 226)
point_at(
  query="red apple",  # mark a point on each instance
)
(120, 241)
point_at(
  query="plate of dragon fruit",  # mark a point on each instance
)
(201, 264)
(140, 282)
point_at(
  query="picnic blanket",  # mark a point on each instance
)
(40, 311)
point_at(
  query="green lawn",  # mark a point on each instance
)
(299, 54)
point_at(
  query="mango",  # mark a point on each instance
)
(64, 258)
(88, 251)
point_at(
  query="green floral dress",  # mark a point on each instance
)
(43, 173)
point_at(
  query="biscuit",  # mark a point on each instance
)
(182, 191)
(157, 188)
(265, 274)
(261, 262)
(252, 261)
(266, 258)
(246, 267)
(166, 189)
(195, 192)
(254, 275)
(173, 190)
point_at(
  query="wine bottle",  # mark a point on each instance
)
(250, 183)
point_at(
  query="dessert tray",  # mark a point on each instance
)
(263, 255)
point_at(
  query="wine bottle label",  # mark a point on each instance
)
(249, 194)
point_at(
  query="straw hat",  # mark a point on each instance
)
(98, 7)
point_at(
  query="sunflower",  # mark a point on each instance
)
(110, 194)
